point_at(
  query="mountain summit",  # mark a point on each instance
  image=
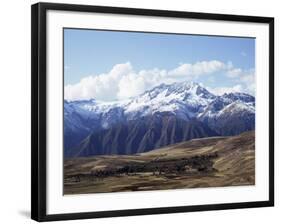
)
(182, 99)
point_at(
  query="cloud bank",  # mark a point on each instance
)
(122, 82)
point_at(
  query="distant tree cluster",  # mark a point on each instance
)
(201, 163)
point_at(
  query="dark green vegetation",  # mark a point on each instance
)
(206, 162)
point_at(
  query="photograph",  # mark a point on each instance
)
(146, 111)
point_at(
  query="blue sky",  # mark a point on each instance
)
(94, 54)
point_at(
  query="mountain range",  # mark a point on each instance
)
(164, 115)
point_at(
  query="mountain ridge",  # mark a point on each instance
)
(186, 102)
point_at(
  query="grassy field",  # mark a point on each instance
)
(205, 162)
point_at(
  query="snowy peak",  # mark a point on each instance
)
(237, 107)
(239, 96)
(183, 91)
(228, 104)
(186, 99)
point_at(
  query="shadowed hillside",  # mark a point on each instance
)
(142, 135)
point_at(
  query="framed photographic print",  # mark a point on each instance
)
(140, 111)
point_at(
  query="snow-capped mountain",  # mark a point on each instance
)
(180, 111)
(230, 114)
(185, 100)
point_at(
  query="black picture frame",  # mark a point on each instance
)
(39, 108)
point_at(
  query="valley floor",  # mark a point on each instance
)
(206, 162)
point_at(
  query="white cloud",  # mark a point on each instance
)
(101, 87)
(221, 90)
(245, 77)
(199, 68)
(123, 82)
(234, 73)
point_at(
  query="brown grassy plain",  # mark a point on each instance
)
(205, 162)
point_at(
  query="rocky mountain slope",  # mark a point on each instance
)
(164, 115)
